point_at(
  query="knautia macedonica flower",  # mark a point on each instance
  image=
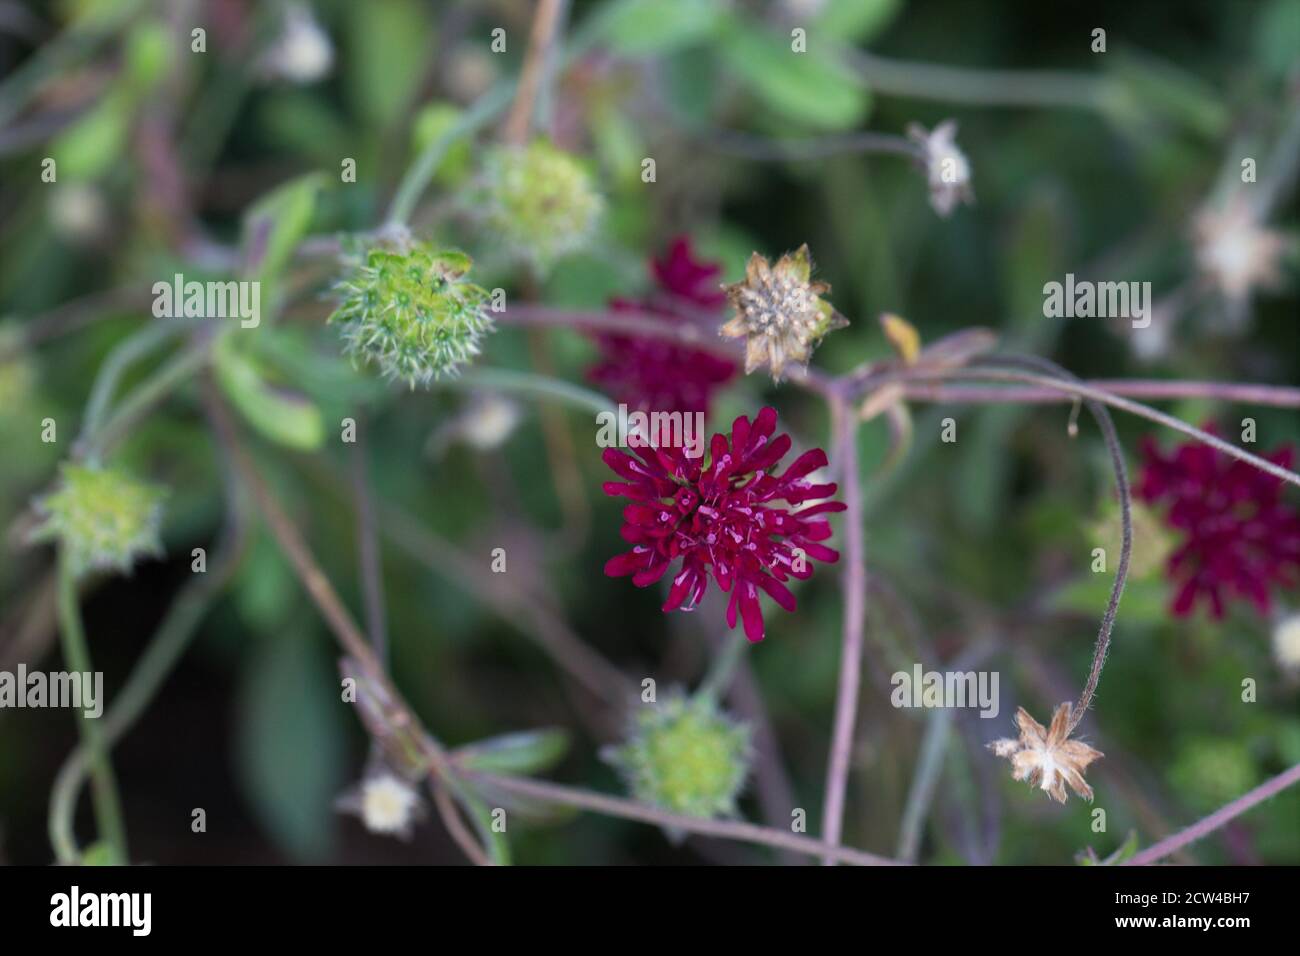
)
(412, 313)
(733, 518)
(655, 375)
(947, 171)
(686, 756)
(539, 201)
(1238, 537)
(102, 518)
(779, 312)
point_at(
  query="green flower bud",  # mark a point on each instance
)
(539, 201)
(412, 313)
(103, 518)
(686, 756)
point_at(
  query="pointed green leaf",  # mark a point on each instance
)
(282, 415)
(812, 89)
(526, 752)
(274, 227)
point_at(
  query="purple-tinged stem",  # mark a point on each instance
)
(855, 587)
(1225, 814)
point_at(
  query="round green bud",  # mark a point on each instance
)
(539, 201)
(686, 756)
(102, 518)
(411, 313)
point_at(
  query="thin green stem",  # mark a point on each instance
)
(529, 383)
(724, 665)
(169, 376)
(108, 809)
(132, 349)
(165, 649)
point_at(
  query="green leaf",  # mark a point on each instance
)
(388, 45)
(527, 752)
(648, 27)
(291, 755)
(480, 814)
(274, 227)
(815, 89)
(95, 141)
(433, 121)
(99, 854)
(286, 417)
(1277, 36)
(857, 20)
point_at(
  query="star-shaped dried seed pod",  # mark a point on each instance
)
(1047, 757)
(780, 313)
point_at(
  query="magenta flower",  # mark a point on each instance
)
(656, 375)
(1239, 537)
(731, 519)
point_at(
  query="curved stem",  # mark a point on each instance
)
(530, 383)
(1107, 626)
(170, 376)
(1086, 391)
(164, 650)
(136, 346)
(108, 808)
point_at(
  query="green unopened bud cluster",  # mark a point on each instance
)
(102, 518)
(686, 756)
(539, 202)
(412, 313)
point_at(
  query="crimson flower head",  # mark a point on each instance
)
(654, 374)
(735, 519)
(1239, 538)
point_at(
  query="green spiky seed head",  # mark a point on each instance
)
(539, 201)
(412, 313)
(103, 518)
(686, 756)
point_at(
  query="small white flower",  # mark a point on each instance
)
(388, 805)
(946, 168)
(385, 803)
(1286, 642)
(488, 422)
(303, 53)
